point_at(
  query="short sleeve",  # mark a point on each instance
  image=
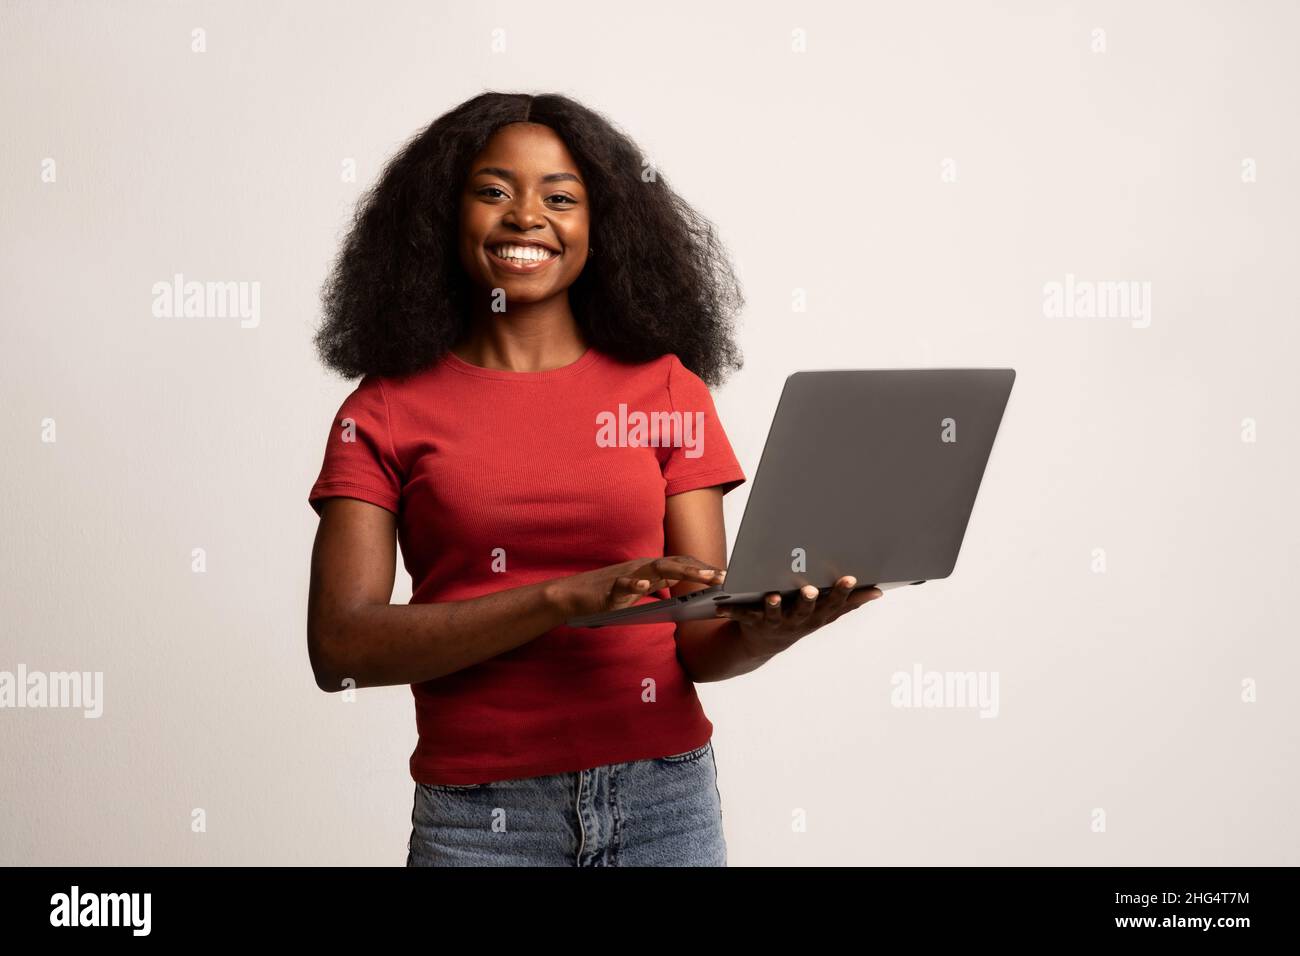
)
(707, 459)
(360, 459)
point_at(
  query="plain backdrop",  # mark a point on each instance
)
(914, 173)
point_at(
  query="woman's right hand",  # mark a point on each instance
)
(622, 585)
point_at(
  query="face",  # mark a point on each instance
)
(524, 215)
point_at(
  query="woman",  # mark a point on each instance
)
(516, 276)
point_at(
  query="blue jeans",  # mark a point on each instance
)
(665, 811)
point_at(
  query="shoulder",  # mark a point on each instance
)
(367, 401)
(665, 376)
(666, 371)
(685, 388)
(398, 391)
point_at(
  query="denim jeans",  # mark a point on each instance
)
(666, 811)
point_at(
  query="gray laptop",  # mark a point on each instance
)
(868, 472)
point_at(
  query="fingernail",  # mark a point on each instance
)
(806, 589)
(853, 582)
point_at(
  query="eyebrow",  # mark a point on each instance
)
(508, 174)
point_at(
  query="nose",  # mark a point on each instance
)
(526, 213)
(525, 222)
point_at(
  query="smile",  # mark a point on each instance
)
(523, 259)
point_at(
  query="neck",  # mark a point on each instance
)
(531, 337)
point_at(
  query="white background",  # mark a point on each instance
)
(822, 171)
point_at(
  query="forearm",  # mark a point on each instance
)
(376, 645)
(714, 650)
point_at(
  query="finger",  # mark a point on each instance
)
(804, 605)
(649, 573)
(862, 596)
(772, 610)
(832, 603)
(686, 568)
(625, 590)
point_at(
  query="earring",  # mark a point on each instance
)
(591, 250)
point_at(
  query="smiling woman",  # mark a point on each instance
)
(491, 340)
(544, 233)
(535, 171)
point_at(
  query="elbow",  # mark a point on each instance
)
(328, 670)
(327, 678)
(327, 682)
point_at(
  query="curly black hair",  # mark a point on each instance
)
(397, 296)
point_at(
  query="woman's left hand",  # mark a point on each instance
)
(771, 628)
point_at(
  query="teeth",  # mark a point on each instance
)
(523, 253)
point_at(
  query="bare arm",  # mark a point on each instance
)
(353, 632)
(710, 649)
(743, 638)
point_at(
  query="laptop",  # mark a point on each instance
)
(870, 472)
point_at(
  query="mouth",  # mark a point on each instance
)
(522, 259)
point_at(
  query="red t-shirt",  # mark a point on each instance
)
(500, 479)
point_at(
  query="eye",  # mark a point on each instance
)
(486, 191)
